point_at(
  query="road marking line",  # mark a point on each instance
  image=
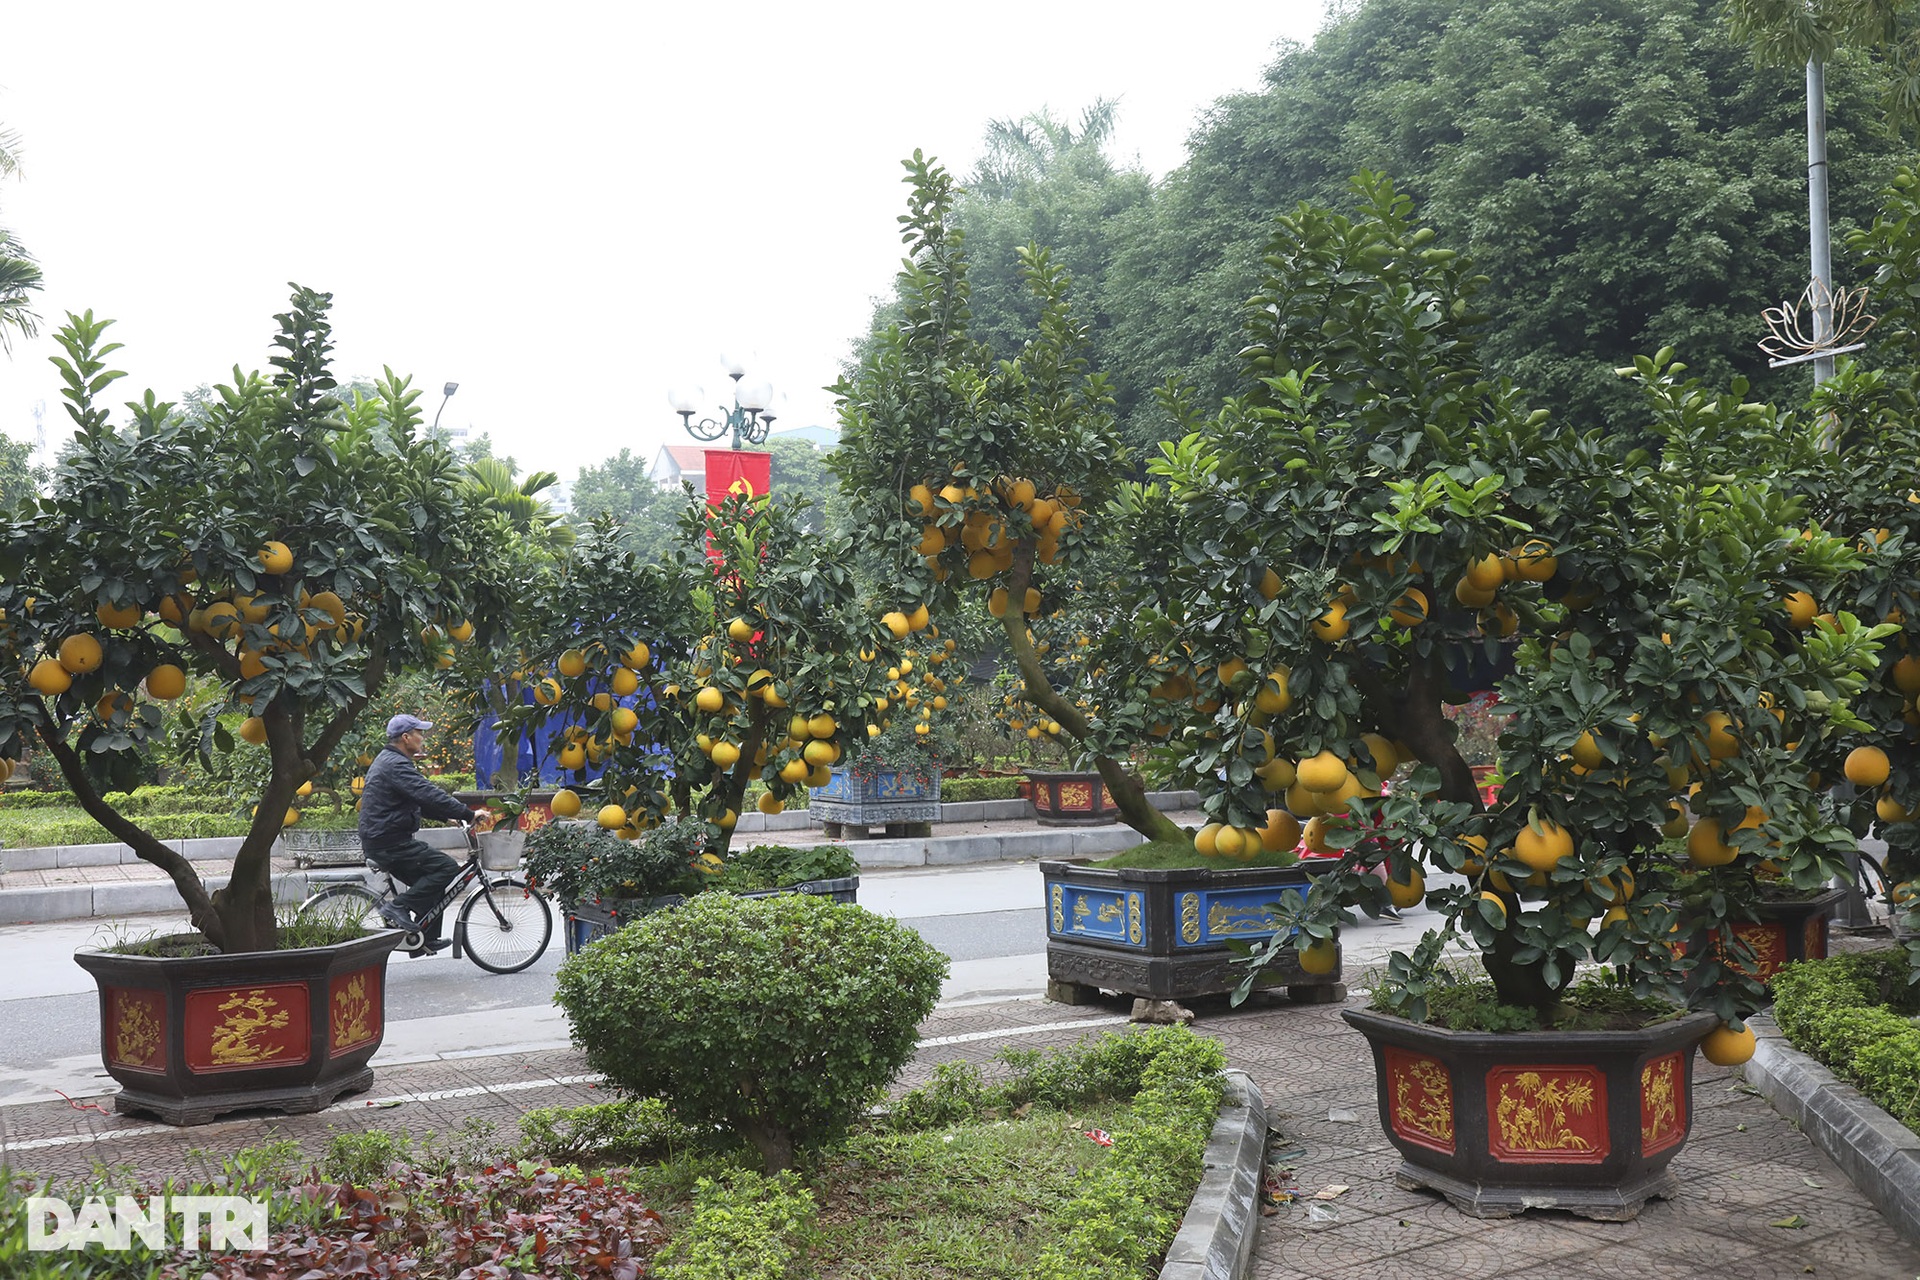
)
(1009, 1032)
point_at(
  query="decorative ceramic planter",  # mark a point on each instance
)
(1788, 931)
(1164, 934)
(1498, 1123)
(537, 813)
(191, 1038)
(588, 922)
(1070, 799)
(889, 800)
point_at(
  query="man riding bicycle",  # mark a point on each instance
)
(392, 802)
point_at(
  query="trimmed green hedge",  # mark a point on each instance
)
(963, 790)
(1852, 1013)
(60, 827)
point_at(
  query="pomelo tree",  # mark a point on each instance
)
(984, 481)
(1389, 528)
(295, 551)
(750, 655)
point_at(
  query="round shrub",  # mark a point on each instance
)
(777, 1018)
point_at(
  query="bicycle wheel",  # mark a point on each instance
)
(505, 926)
(344, 905)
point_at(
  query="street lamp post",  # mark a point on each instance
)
(445, 395)
(749, 419)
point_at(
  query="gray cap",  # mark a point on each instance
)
(406, 724)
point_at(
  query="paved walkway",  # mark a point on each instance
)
(1744, 1168)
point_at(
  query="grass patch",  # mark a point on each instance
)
(971, 1201)
(1180, 855)
(1592, 1005)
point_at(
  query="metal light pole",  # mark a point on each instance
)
(749, 419)
(445, 395)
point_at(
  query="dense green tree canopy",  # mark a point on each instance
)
(1623, 172)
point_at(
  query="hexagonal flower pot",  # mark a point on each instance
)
(1164, 934)
(1070, 799)
(190, 1038)
(1502, 1122)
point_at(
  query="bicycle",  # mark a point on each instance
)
(504, 925)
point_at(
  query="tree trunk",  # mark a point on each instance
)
(1129, 796)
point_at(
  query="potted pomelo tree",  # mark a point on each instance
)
(997, 483)
(1382, 512)
(290, 550)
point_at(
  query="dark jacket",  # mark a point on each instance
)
(395, 798)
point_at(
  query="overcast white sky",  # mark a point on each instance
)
(567, 209)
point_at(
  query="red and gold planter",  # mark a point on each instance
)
(191, 1038)
(1070, 799)
(1585, 1121)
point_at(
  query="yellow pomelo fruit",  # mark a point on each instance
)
(253, 729)
(547, 692)
(794, 770)
(769, 803)
(1721, 743)
(1273, 696)
(918, 619)
(1410, 610)
(625, 721)
(111, 704)
(896, 622)
(1494, 898)
(1205, 839)
(1586, 752)
(1906, 674)
(1332, 625)
(638, 656)
(818, 753)
(612, 817)
(573, 756)
(821, 725)
(566, 803)
(461, 630)
(1319, 957)
(1281, 833)
(709, 699)
(1484, 576)
(573, 664)
(1270, 584)
(725, 754)
(1865, 767)
(1323, 772)
(1535, 562)
(1226, 842)
(276, 557)
(166, 682)
(1541, 846)
(1410, 892)
(1725, 1047)
(1802, 609)
(726, 820)
(81, 653)
(1706, 848)
(119, 618)
(1890, 810)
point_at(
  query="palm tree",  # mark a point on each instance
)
(492, 480)
(19, 275)
(1036, 146)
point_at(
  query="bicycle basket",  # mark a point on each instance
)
(501, 850)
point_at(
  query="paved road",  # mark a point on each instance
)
(981, 917)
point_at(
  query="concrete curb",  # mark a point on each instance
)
(1215, 1240)
(1879, 1154)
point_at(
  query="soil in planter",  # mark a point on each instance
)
(1180, 855)
(175, 946)
(1588, 1006)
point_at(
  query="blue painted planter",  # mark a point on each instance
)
(1164, 934)
(883, 799)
